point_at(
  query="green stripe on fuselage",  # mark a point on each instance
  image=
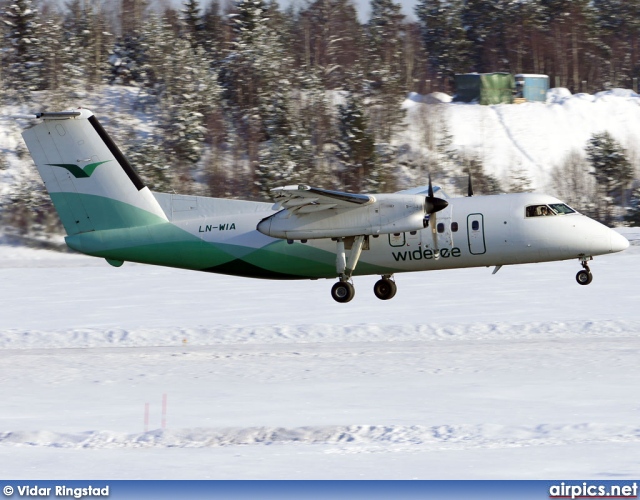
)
(87, 212)
(124, 232)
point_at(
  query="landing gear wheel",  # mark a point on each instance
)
(584, 277)
(385, 289)
(343, 291)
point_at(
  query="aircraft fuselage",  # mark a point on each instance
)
(470, 232)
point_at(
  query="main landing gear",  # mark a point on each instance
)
(584, 277)
(385, 288)
(343, 291)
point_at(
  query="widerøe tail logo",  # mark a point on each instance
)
(77, 171)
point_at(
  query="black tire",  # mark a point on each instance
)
(584, 277)
(343, 291)
(385, 289)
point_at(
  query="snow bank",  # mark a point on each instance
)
(433, 98)
(313, 334)
(348, 438)
(558, 95)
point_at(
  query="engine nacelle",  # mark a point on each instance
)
(389, 213)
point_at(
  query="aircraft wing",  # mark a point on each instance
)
(423, 190)
(303, 199)
(309, 212)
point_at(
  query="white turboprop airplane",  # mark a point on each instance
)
(309, 233)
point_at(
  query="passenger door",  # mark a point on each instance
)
(475, 233)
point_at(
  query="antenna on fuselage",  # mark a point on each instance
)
(470, 187)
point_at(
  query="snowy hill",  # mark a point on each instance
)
(536, 136)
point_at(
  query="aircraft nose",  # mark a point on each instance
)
(618, 242)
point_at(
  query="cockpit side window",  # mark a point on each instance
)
(539, 211)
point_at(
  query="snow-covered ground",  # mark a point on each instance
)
(523, 374)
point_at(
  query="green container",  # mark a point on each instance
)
(485, 88)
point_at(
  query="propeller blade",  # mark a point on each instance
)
(433, 204)
(433, 221)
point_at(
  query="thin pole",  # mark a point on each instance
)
(146, 417)
(164, 411)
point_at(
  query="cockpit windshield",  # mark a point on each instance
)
(548, 210)
(562, 209)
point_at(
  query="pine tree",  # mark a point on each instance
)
(156, 43)
(191, 94)
(355, 147)
(193, 23)
(519, 180)
(618, 26)
(633, 210)
(313, 122)
(613, 173)
(255, 76)
(333, 41)
(131, 15)
(87, 45)
(213, 31)
(22, 58)
(444, 38)
(569, 28)
(127, 60)
(150, 159)
(482, 182)
(54, 54)
(386, 92)
(487, 23)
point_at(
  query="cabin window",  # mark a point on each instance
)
(413, 233)
(454, 227)
(440, 227)
(475, 225)
(539, 211)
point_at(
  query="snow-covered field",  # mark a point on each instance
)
(524, 374)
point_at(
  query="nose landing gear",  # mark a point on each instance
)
(584, 277)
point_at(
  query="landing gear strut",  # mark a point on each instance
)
(584, 277)
(343, 291)
(384, 288)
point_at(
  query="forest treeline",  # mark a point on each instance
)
(244, 96)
